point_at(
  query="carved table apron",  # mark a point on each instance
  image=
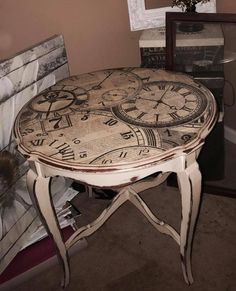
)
(112, 128)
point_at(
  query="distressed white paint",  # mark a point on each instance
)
(126, 176)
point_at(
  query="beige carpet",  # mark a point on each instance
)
(127, 253)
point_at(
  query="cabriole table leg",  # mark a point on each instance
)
(39, 188)
(190, 188)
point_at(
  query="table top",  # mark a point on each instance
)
(115, 117)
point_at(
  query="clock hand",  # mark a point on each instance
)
(162, 102)
(54, 100)
(65, 97)
(162, 96)
(42, 101)
(98, 86)
(49, 108)
(158, 102)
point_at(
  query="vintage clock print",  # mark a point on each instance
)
(113, 140)
(112, 117)
(161, 104)
(114, 128)
(106, 88)
(60, 98)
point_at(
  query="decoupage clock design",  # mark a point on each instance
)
(113, 117)
(162, 104)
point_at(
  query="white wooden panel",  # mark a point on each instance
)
(10, 108)
(18, 79)
(30, 54)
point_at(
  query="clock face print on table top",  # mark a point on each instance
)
(114, 117)
(163, 104)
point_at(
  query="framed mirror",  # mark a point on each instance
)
(204, 46)
(144, 14)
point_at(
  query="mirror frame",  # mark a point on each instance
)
(171, 19)
(142, 18)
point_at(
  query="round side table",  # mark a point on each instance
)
(114, 128)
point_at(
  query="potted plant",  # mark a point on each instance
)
(188, 5)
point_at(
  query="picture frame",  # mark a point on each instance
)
(208, 70)
(142, 18)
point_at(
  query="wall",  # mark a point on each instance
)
(97, 33)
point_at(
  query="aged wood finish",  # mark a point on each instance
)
(112, 128)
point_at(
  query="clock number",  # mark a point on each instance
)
(65, 150)
(133, 108)
(174, 115)
(145, 79)
(168, 132)
(186, 108)
(37, 142)
(83, 154)
(106, 162)
(111, 122)
(147, 89)
(141, 115)
(55, 140)
(175, 88)
(132, 88)
(143, 152)
(85, 117)
(66, 146)
(68, 155)
(186, 94)
(186, 137)
(161, 86)
(58, 120)
(41, 134)
(127, 135)
(39, 116)
(102, 102)
(76, 140)
(27, 131)
(123, 155)
(194, 101)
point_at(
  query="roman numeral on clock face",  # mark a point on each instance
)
(141, 115)
(186, 108)
(147, 89)
(63, 149)
(175, 88)
(130, 109)
(174, 115)
(37, 142)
